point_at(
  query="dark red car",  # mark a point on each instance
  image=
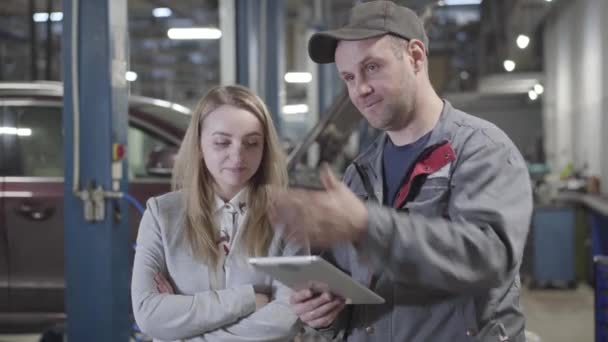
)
(31, 191)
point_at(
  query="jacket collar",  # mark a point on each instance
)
(371, 159)
(441, 133)
(239, 201)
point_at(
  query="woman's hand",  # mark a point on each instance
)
(262, 295)
(261, 300)
(163, 285)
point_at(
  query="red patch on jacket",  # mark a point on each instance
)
(431, 162)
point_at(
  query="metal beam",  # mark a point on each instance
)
(275, 59)
(33, 41)
(227, 14)
(247, 42)
(260, 27)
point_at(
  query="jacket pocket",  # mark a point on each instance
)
(494, 331)
(432, 197)
(469, 319)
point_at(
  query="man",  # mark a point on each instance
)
(433, 216)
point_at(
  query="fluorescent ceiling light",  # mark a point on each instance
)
(24, 132)
(461, 2)
(194, 33)
(509, 65)
(130, 76)
(162, 12)
(41, 17)
(8, 130)
(298, 77)
(539, 89)
(532, 95)
(295, 109)
(522, 41)
(56, 16)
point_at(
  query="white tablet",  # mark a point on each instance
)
(300, 272)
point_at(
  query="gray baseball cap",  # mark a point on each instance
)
(368, 20)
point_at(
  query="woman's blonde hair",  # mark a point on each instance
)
(190, 175)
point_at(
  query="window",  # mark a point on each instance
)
(39, 140)
(140, 145)
(36, 135)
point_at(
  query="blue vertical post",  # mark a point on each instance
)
(247, 41)
(275, 58)
(96, 252)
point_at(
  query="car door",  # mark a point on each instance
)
(33, 203)
(143, 140)
(4, 162)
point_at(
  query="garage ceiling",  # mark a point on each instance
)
(181, 71)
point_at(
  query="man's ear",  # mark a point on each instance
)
(417, 51)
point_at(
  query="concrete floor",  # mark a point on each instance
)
(560, 315)
(552, 316)
(20, 338)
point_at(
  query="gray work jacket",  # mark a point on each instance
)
(446, 256)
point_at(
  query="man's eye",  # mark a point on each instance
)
(221, 143)
(372, 67)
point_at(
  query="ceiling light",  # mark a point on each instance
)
(130, 76)
(41, 17)
(194, 33)
(56, 16)
(509, 65)
(539, 89)
(24, 132)
(298, 77)
(461, 2)
(295, 109)
(8, 130)
(532, 95)
(523, 41)
(162, 12)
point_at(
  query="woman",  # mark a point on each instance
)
(191, 279)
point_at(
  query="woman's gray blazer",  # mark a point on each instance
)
(197, 311)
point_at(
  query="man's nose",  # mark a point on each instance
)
(364, 89)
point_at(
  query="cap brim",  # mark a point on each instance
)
(322, 45)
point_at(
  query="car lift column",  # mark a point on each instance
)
(95, 121)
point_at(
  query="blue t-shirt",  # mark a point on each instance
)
(396, 162)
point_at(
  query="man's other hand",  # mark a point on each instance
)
(322, 218)
(318, 310)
